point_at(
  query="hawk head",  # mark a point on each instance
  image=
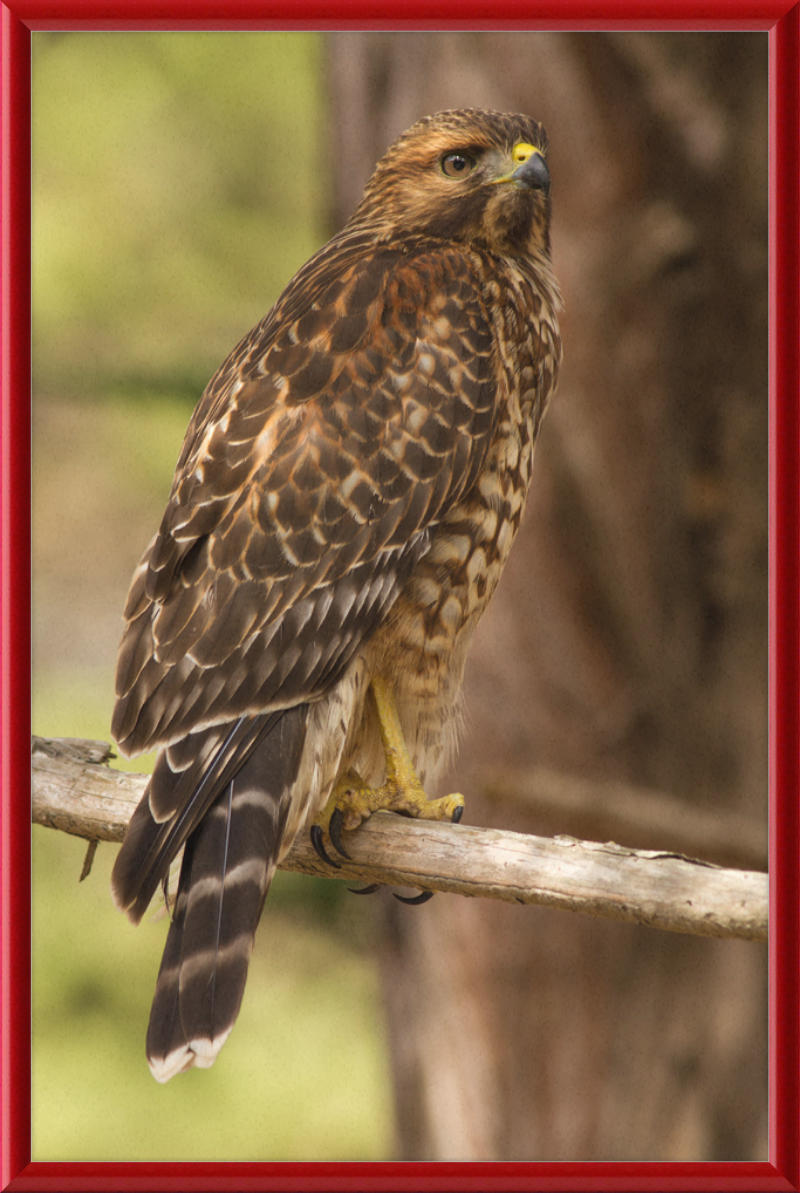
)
(467, 175)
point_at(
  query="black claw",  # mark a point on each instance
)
(319, 847)
(415, 900)
(459, 812)
(165, 889)
(365, 890)
(335, 833)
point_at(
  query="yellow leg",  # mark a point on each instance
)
(353, 801)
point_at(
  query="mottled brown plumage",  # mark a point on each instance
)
(345, 500)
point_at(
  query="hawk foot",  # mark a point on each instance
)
(353, 801)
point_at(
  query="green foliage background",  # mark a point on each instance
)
(179, 180)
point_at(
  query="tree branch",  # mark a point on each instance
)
(75, 791)
(599, 810)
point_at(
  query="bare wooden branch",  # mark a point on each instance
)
(601, 810)
(75, 791)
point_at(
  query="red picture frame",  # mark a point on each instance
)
(19, 18)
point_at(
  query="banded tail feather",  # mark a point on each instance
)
(229, 859)
(186, 780)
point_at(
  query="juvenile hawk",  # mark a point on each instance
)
(347, 494)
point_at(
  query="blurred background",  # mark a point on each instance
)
(179, 180)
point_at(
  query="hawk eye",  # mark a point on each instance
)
(457, 165)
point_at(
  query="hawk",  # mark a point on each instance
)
(346, 497)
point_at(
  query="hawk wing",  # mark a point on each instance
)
(316, 465)
(314, 470)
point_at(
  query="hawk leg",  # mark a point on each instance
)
(353, 801)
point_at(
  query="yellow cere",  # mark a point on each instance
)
(521, 152)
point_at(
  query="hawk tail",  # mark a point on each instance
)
(228, 864)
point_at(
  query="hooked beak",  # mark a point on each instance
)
(533, 174)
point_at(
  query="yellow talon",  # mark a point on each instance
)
(352, 800)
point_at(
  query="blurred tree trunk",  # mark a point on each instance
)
(628, 639)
